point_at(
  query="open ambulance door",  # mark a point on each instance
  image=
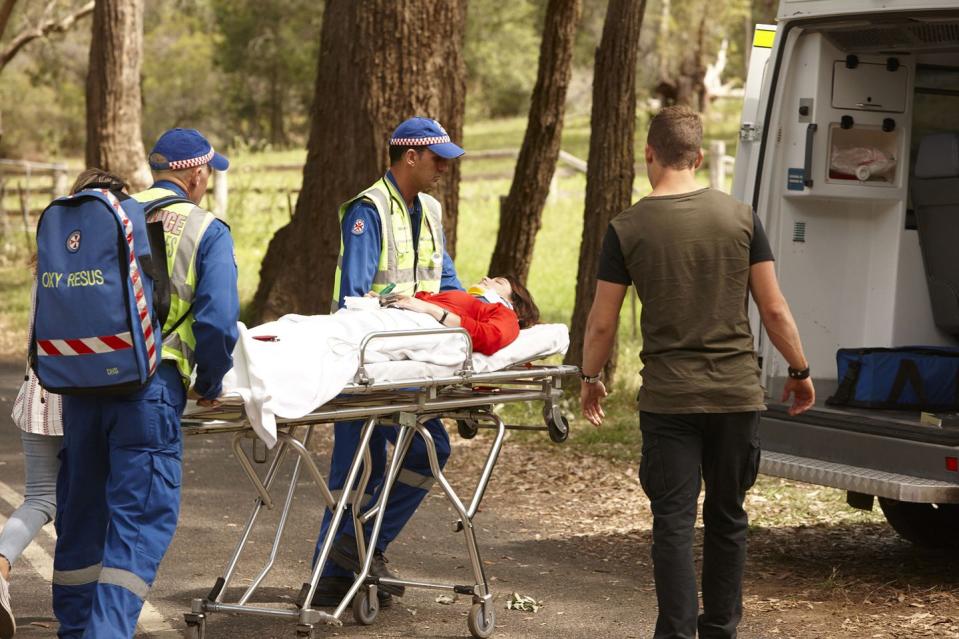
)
(750, 137)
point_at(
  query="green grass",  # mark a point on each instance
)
(259, 205)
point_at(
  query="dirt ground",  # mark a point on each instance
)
(568, 529)
(816, 567)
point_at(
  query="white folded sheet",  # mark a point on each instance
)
(308, 360)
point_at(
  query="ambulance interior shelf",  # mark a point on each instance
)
(863, 153)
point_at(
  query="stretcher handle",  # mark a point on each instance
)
(466, 370)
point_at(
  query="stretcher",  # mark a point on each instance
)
(463, 394)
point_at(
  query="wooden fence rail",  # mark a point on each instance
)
(51, 179)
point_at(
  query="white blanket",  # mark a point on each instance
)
(308, 360)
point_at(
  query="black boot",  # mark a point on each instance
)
(331, 590)
(345, 556)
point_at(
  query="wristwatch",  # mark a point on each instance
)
(798, 373)
(589, 379)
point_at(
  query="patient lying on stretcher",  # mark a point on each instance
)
(492, 311)
(290, 366)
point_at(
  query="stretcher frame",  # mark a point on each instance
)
(466, 396)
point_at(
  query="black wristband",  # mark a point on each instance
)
(590, 379)
(798, 373)
(443, 317)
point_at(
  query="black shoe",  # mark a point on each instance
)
(344, 555)
(331, 590)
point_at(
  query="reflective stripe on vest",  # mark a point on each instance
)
(411, 271)
(183, 227)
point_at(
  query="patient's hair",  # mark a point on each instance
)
(676, 135)
(94, 178)
(523, 305)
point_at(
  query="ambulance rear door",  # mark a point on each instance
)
(751, 126)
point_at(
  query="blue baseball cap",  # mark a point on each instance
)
(183, 149)
(426, 132)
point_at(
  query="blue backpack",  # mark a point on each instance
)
(94, 324)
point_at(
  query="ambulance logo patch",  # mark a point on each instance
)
(358, 227)
(73, 241)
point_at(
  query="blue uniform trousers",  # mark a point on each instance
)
(411, 486)
(118, 498)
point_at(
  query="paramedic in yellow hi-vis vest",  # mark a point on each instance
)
(124, 467)
(391, 236)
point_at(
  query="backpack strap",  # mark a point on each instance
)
(156, 267)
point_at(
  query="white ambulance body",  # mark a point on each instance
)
(840, 97)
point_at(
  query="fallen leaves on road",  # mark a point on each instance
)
(525, 603)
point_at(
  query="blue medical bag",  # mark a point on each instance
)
(907, 378)
(94, 327)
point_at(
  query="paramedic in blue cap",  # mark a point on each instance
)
(391, 235)
(119, 485)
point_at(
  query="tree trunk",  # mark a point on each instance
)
(690, 85)
(610, 173)
(362, 92)
(763, 12)
(521, 213)
(114, 138)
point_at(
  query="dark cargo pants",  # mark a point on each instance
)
(679, 452)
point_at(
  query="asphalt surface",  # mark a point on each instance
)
(583, 598)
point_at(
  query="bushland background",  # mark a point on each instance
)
(302, 94)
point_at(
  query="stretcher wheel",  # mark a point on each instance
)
(556, 424)
(366, 605)
(482, 621)
(467, 429)
(195, 626)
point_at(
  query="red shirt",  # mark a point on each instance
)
(490, 326)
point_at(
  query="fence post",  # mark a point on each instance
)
(59, 181)
(5, 225)
(220, 193)
(25, 211)
(717, 164)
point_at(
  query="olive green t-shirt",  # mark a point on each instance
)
(689, 256)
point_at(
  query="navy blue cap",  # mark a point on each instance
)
(183, 149)
(426, 132)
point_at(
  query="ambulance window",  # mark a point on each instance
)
(936, 103)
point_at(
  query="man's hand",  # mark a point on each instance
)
(590, 396)
(803, 394)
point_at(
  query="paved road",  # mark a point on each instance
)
(217, 500)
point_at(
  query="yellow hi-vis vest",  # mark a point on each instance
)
(183, 227)
(411, 270)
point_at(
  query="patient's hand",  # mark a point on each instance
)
(411, 304)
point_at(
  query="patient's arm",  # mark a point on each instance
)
(420, 306)
(490, 326)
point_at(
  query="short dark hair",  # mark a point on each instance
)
(94, 178)
(523, 305)
(676, 135)
(397, 152)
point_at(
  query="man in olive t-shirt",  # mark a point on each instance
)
(694, 255)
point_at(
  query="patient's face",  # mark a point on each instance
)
(500, 285)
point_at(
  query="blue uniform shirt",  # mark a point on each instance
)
(216, 304)
(361, 250)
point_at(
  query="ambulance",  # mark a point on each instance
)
(849, 152)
